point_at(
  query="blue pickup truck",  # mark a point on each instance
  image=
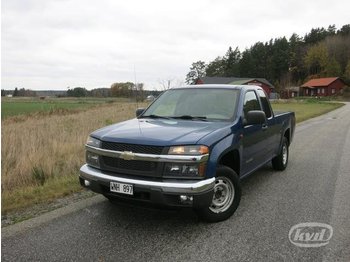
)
(189, 148)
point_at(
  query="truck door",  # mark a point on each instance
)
(253, 136)
(271, 129)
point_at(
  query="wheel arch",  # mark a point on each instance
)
(231, 159)
(287, 134)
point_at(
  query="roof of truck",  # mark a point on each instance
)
(239, 87)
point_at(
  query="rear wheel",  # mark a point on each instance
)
(280, 162)
(226, 198)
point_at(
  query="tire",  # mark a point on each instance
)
(280, 161)
(223, 205)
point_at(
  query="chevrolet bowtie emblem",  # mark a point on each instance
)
(127, 155)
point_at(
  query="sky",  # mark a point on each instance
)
(60, 44)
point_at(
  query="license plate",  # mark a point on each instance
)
(122, 188)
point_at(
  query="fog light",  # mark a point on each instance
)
(188, 200)
(86, 183)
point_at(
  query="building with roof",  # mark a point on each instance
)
(328, 86)
(262, 82)
(290, 92)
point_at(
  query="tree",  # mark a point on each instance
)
(333, 68)
(139, 92)
(345, 30)
(297, 51)
(197, 70)
(338, 46)
(166, 83)
(101, 92)
(15, 93)
(122, 89)
(77, 92)
(285, 61)
(231, 62)
(346, 91)
(26, 92)
(3, 93)
(246, 64)
(316, 35)
(170, 82)
(347, 72)
(216, 67)
(316, 59)
(259, 53)
(331, 30)
(279, 58)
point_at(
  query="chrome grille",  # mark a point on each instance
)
(143, 149)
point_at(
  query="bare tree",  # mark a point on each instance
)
(166, 83)
(170, 82)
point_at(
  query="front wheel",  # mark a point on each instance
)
(226, 198)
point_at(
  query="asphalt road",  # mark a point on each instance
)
(314, 188)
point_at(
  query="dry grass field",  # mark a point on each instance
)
(41, 155)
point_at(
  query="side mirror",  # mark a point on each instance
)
(139, 111)
(255, 117)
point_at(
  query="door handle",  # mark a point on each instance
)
(264, 127)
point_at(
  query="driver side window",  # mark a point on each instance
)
(250, 103)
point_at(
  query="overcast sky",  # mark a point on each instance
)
(55, 44)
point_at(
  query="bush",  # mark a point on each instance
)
(346, 91)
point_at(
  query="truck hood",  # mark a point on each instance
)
(161, 132)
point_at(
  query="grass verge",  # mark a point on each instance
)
(305, 110)
(38, 194)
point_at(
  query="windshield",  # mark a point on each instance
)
(195, 104)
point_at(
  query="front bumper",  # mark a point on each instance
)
(150, 191)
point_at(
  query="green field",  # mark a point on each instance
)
(24, 106)
(305, 109)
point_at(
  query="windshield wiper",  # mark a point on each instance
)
(201, 118)
(186, 117)
(155, 116)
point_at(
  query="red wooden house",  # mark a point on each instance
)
(323, 87)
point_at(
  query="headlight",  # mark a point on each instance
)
(188, 150)
(185, 170)
(92, 159)
(93, 142)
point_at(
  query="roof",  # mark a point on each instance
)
(293, 88)
(240, 82)
(233, 80)
(220, 86)
(320, 82)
